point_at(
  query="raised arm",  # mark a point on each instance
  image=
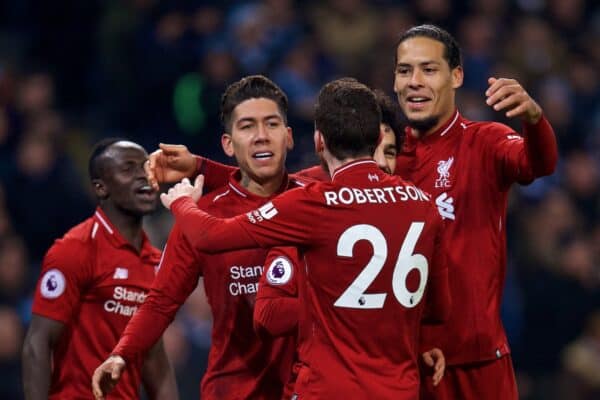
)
(173, 162)
(281, 221)
(41, 338)
(537, 154)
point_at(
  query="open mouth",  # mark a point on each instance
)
(417, 99)
(263, 155)
(146, 192)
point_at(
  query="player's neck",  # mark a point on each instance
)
(262, 188)
(333, 163)
(129, 226)
(441, 121)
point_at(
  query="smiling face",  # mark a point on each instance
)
(123, 179)
(425, 84)
(259, 140)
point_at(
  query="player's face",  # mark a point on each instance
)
(125, 181)
(385, 153)
(259, 140)
(424, 83)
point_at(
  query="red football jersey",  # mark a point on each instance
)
(217, 174)
(280, 308)
(468, 167)
(369, 242)
(240, 365)
(93, 281)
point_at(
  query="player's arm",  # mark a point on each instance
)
(158, 376)
(65, 270)
(281, 221)
(537, 154)
(173, 162)
(177, 278)
(277, 305)
(42, 336)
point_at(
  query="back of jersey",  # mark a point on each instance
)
(368, 268)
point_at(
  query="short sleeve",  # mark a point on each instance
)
(66, 273)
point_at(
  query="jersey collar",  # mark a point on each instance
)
(445, 131)
(352, 168)
(103, 226)
(236, 187)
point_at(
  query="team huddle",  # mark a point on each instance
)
(376, 275)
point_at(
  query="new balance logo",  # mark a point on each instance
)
(445, 206)
(121, 273)
(373, 178)
(267, 211)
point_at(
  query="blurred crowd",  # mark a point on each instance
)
(153, 71)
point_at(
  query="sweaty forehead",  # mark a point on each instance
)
(420, 49)
(256, 108)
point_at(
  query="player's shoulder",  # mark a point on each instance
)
(220, 195)
(487, 131)
(76, 244)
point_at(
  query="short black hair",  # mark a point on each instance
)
(94, 164)
(452, 52)
(391, 115)
(348, 116)
(251, 87)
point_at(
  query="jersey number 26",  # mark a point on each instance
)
(354, 296)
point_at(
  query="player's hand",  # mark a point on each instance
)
(509, 95)
(106, 376)
(434, 358)
(170, 163)
(182, 189)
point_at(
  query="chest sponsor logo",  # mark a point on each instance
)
(445, 205)
(244, 280)
(53, 284)
(443, 169)
(280, 271)
(121, 273)
(124, 301)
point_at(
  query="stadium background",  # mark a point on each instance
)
(72, 72)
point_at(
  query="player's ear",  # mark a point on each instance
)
(227, 144)
(319, 143)
(100, 189)
(290, 139)
(457, 77)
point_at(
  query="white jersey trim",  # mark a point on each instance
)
(94, 230)
(236, 190)
(217, 197)
(345, 167)
(451, 124)
(108, 228)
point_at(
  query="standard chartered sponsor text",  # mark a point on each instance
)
(240, 279)
(120, 293)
